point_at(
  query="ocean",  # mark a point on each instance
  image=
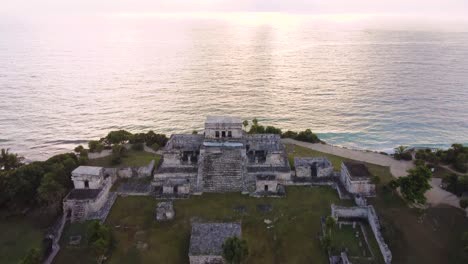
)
(64, 83)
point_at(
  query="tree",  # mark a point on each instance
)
(9, 161)
(307, 136)
(401, 152)
(79, 149)
(118, 137)
(460, 162)
(414, 186)
(34, 256)
(95, 146)
(330, 223)
(245, 123)
(99, 238)
(401, 149)
(50, 191)
(235, 250)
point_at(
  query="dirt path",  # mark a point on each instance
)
(435, 196)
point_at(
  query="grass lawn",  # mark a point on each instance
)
(17, 237)
(345, 237)
(74, 254)
(414, 236)
(292, 238)
(132, 159)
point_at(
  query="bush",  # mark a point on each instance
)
(307, 136)
(155, 146)
(99, 238)
(406, 156)
(118, 137)
(95, 146)
(272, 130)
(79, 149)
(138, 146)
(235, 250)
(289, 134)
(419, 162)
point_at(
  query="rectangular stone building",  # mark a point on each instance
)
(206, 241)
(90, 194)
(356, 178)
(313, 167)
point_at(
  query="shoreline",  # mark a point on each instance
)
(435, 196)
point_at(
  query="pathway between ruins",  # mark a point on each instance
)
(435, 196)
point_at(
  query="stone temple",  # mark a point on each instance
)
(223, 159)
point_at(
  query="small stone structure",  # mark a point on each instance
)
(313, 167)
(356, 178)
(165, 211)
(223, 159)
(368, 214)
(207, 239)
(90, 195)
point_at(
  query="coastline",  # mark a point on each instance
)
(435, 196)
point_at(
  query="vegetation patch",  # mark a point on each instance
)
(132, 158)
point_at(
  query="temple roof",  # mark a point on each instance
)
(222, 120)
(87, 170)
(357, 169)
(208, 238)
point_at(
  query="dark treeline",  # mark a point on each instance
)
(306, 135)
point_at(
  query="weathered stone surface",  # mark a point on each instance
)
(74, 240)
(165, 211)
(207, 238)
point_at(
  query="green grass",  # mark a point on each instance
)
(17, 237)
(292, 239)
(430, 236)
(74, 254)
(346, 238)
(132, 159)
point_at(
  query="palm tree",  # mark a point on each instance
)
(401, 149)
(245, 124)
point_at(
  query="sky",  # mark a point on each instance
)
(450, 12)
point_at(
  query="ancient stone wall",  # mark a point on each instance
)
(367, 213)
(206, 259)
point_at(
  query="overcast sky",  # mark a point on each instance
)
(441, 8)
(451, 13)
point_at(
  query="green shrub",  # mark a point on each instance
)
(155, 146)
(307, 136)
(99, 238)
(289, 134)
(235, 250)
(419, 162)
(95, 146)
(118, 137)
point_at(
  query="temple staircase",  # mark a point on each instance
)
(223, 170)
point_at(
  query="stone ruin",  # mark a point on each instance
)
(223, 159)
(90, 198)
(165, 211)
(206, 241)
(368, 214)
